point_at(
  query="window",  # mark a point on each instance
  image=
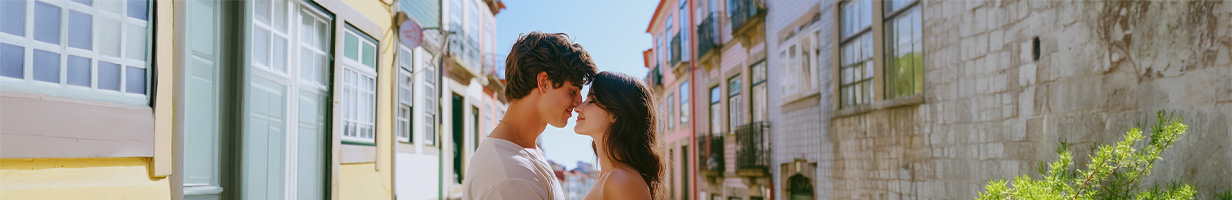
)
(684, 102)
(671, 112)
(799, 55)
(86, 49)
(856, 52)
(359, 88)
(662, 116)
(902, 73)
(759, 91)
(715, 108)
(429, 96)
(733, 103)
(669, 24)
(405, 95)
(475, 128)
(904, 54)
(662, 56)
(684, 31)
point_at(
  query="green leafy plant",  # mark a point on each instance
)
(1113, 173)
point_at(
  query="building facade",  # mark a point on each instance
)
(933, 99)
(1003, 82)
(278, 99)
(472, 100)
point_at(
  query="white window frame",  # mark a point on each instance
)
(429, 79)
(671, 110)
(685, 97)
(406, 95)
(61, 88)
(359, 92)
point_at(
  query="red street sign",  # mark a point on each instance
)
(412, 34)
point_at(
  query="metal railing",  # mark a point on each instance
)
(675, 57)
(712, 162)
(752, 147)
(707, 35)
(741, 11)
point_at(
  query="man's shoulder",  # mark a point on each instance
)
(498, 161)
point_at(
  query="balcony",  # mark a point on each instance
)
(712, 162)
(678, 66)
(708, 38)
(747, 17)
(753, 150)
(466, 62)
(655, 78)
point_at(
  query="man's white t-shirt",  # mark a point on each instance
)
(501, 169)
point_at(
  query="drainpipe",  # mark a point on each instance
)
(692, 123)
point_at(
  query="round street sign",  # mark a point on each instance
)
(412, 34)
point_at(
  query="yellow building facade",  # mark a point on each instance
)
(181, 111)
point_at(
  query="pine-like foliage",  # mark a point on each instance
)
(1113, 173)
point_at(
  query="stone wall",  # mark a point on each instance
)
(991, 110)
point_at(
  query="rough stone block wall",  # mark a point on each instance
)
(991, 110)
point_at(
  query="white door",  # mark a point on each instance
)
(283, 140)
(201, 123)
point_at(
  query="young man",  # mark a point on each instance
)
(545, 72)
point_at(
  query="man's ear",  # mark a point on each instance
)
(543, 82)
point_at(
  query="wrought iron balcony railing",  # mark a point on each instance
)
(675, 57)
(707, 35)
(742, 11)
(712, 162)
(753, 149)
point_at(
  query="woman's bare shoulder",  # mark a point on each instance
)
(625, 183)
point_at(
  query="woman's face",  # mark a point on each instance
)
(592, 120)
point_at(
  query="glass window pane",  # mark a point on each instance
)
(306, 30)
(323, 35)
(261, 10)
(260, 46)
(113, 6)
(280, 15)
(12, 60)
(138, 9)
(46, 22)
(306, 59)
(79, 71)
(369, 55)
(280, 54)
(79, 30)
(108, 76)
(108, 35)
(136, 42)
(13, 17)
(46, 66)
(351, 47)
(323, 66)
(134, 81)
(86, 2)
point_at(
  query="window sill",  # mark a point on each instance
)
(793, 98)
(916, 99)
(349, 142)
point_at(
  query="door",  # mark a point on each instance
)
(200, 123)
(285, 102)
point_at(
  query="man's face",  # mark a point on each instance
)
(557, 104)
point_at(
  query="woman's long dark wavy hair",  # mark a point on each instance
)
(631, 139)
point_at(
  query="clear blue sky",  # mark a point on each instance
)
(614, 32)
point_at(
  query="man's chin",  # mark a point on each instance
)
(559, 125)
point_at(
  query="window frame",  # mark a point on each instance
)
(671, 112)
(685, 96)
(406, 96)
(887, 20)
(362, 71)
(734, 102)
(29, 45)
(716, 99)
(876, 32)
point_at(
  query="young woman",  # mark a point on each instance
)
(619, 116)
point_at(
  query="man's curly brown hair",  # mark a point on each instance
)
(553, 53)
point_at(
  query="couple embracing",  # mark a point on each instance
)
(545, 74)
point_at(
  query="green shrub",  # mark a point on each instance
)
(1113, 173)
